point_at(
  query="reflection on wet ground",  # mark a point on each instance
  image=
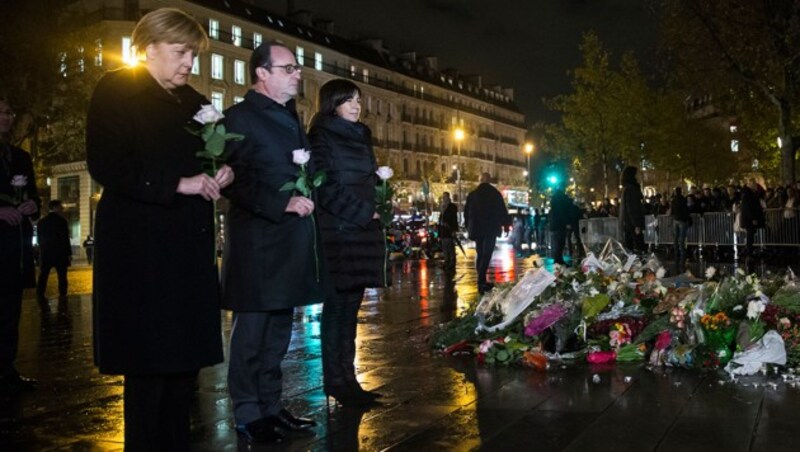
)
(430, 402)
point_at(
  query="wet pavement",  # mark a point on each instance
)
(430, 403)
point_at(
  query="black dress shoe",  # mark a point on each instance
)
(346, 396)
(17, 383)
(287, 421)
(359, 391)
(262, 430)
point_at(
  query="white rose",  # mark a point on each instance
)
(385, 173)
(755, 308)
(19, 181)
(208, 114)
(710, 272)
(660, 272)
(301, 156)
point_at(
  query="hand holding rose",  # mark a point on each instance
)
(28, 207)
(300, 205)
(10, 215)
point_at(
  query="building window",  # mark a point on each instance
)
(257, 38)
(196, 66)
(301, 56)
(217, 71)
(238, 72)
(128, 53)
(213, 28)
(217, 100)
(237, 99)
(365, 73)
(236, 35)
(62, 57)
(734, 145)
(352, 71)
(317, 61)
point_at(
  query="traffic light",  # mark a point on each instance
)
(552, 180)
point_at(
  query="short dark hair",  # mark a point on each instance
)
(262, 57)
(333, 94)
(678, 191)
(54, 204)
(628, 176)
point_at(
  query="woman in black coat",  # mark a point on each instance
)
(752, 214)
(631, 211)
(352, 238)
(156, 295)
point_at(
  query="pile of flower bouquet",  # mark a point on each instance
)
(620, 307)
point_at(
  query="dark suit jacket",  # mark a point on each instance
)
(156, 293)
(54, 246)
(16, 245)
(485, 212)
(270, 256)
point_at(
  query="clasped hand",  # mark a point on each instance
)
(300, 205)
(14, 215)
(206, 186)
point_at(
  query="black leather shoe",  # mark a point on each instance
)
(17, 383)
(346, 396)
(359, 391)
(287, 421)
(261, 430)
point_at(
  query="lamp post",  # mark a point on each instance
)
(528, 152)
(458, 135)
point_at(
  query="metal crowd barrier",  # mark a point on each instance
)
(710, 229)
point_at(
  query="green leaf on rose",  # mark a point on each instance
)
(287, 186)
(302, 186)
(319, 178)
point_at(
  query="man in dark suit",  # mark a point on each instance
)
(271, 259)
(55, 251)
(19, 203)
(485, 214)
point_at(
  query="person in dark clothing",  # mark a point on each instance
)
(631, 211)
(272, 262)
(560, 221)
(19, 204)
(485, 215)
(88, 246)
(752, 214)
(448, 228)
(574, 242)
(351, 233)
(156, 292)
(55, 251)
(681, 221)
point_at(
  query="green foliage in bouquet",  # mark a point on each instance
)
(460, 329)
(384, 192)
(594, 305)
(653, 329)
(788, 297)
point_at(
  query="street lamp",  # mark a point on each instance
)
(528, 152)
(458, 135)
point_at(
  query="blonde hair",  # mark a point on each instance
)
(171, 26)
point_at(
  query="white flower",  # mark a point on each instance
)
(785, 322)
(385, 173)
(740, 271)
(660, 272)
(19, 181)
(612, 286)
(738, 307)
(754, 309)
(301, 156)
(208, 114)
(593, 292)
(637, 275)
(710, 272)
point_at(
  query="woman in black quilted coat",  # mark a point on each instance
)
(352, 238)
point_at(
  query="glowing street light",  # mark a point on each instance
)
(458, 135)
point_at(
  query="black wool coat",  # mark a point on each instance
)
(272, 258)
(752, 215)
(354, 242)
(156, 292)
(16, 245)
(631, 208)
(54, 245)
(485, 212)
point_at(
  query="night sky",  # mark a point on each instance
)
(528, 45)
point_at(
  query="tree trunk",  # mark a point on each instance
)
(605, 175)
(787, 142)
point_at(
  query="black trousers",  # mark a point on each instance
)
(559, 238)
(484, 247)
(158, 411)
(259, 341)
(338, 330)
(632, 240)
(61, 270)
(10, 309)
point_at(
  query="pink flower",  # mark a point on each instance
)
(485, 346)
(19, 181)
(664, 339)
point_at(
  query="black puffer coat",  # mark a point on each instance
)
(353, 242)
